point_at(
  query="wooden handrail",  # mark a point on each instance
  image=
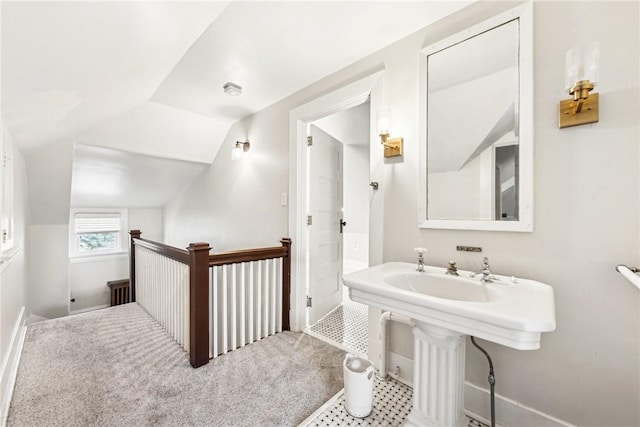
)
(246, 255)
(176, 254)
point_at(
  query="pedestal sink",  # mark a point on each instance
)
(508, 311)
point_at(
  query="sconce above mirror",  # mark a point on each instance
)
(476, 127)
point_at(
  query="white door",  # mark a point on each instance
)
(325, 232)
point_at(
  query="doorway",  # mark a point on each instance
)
(338, 200)
(339, 194)
(355, 249)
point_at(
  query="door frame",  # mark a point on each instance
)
(348, 96)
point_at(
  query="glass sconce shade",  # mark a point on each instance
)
(236, 153)
(383, 121)
(239, 149)
(582, 65)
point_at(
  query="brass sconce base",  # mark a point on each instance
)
(393, 146)
(575, 113)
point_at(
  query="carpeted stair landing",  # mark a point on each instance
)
(118, 367)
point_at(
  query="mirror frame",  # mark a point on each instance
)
(524, 14)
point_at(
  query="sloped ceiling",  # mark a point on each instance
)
(104, 177)
(350, 127)
(146, 77)
(68, 66)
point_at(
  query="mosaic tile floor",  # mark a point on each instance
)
(391, 406)
(346, 325)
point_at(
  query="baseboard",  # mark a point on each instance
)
(84, 310)
(10, 366)
(477, 404)
(477, 401)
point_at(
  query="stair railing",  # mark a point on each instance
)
(246, 289)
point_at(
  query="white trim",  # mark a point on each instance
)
(346, 97)
(477, 402)
(84, 310)
(94, 257)
(526, 139)
(10, 365)
(7, 256)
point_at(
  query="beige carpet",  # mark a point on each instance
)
(117, 367)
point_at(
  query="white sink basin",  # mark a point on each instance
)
(441, 286)
(511, 314)
(445, 309)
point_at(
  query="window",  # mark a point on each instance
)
(97, 232)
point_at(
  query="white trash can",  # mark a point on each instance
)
(358, 385)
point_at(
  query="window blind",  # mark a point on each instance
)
(97, 222)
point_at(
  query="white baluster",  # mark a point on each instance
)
(259, 301)
(233, 307)
(243, 303)
(251, 302)
(272, 323)
(224, 310)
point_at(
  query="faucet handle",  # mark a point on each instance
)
(452, 269)
(420, 251)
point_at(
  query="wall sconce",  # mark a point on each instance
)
(392, 146)
(581, 78)
(239, 149)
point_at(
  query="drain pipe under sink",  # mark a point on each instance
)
(387, 317)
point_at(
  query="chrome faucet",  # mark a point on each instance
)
(420, 252)
(452, 270)
(487, 276)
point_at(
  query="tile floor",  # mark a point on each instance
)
(391, 406)
(346, 327)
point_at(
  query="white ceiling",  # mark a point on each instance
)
(104, 177)
(68, 66)
(350, 127)
(146, 77)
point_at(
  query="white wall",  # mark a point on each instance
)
(586, 208)
(235, 205)
(49, 270)
(14, 308)
(88, 280)
(55, 279)
(149, 221)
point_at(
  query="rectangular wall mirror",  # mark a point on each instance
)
(476, 127)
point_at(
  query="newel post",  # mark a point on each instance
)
(199, 304)
(286, 284)
(135, 234)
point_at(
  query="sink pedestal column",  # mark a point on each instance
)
(438, 377)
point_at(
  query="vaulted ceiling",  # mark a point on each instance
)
(146, 77)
